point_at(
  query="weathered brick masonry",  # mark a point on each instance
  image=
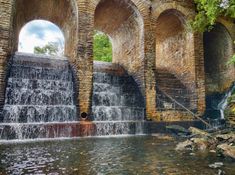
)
(147, 36)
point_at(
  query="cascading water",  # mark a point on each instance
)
(224, 102)
(216, 105)
(117, 105)
(40, 101)
(39, 90)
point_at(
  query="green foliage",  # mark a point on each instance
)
(232, 60)
(51, 48)
(102, 47)
(209, 11)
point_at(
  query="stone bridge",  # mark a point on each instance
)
(151, 40)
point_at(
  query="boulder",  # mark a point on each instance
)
(226, 137)
(186, 145)
(200, 143)
(227, 150)
(196, 131)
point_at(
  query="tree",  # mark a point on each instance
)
(208, 13)
(52, 48)
(102, 47)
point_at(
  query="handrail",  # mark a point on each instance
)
(178, 103)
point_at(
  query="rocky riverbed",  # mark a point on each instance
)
(220, 142)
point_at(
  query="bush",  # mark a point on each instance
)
(102, 47)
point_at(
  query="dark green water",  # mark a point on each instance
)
(125, 156)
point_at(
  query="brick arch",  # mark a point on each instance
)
(141, 5)
(187, 13)
(85, 57)
(64, 15)
(126, 29)
(218, 48)
(229, 25)
(174, 44)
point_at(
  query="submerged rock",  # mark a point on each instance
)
(227, 150)
(216, 165)
(179, 130)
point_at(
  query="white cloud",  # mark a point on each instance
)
(38, 33)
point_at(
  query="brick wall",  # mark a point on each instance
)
(6, 11)
(138, 41)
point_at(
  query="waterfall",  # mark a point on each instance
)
(224, 102)
(39, 90)
(40, 101)
(117, 103)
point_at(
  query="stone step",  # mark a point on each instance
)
(117, 99)
(117, 113)
(38, 97)
(38, 113)
(33, 60)
(57, 85)
(109, 68)
(169, 84)
(40, 73)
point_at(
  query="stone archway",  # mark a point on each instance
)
(218, 49)
(64, 15)
(175, 75)
(38, 34)
(122, 21)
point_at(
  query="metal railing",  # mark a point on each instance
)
(185, 108)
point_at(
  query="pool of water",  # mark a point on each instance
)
(118, 155)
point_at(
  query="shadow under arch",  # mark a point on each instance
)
(219, 76)
(122, 21)
(174, 59)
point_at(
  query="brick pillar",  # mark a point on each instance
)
(150, 80)
(84, 62)
(200, 73)
(6, 7)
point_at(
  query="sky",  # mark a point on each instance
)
(39, 33)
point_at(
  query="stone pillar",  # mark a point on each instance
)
(6, 7)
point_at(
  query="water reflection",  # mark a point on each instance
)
(130, 155)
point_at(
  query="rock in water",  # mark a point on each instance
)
(227, 150)
(216, 165)
(196, 131)
(200, 143)
(177, 129)
(186, 145)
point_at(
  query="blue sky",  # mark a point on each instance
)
(39, 33)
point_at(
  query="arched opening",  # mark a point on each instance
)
(174, 75)
(64, 15)
(102, 47)
(218, 49)
(41, 37)
(122, 22)
(116, 85)
(42, 88)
